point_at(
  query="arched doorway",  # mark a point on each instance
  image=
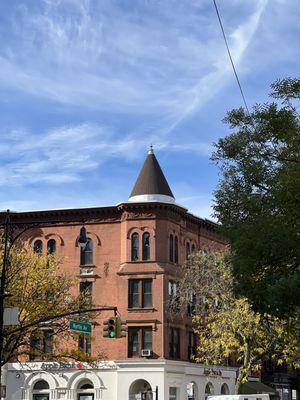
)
(209, 390)
(140, 390)
(192, 391)
(41, 390)
(224, 389)
(85, 390)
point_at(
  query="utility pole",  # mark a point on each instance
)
(2, 292)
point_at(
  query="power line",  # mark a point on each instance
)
(230, 57)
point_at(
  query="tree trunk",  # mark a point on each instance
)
(243, 371)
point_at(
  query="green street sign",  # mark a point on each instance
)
(81, 327)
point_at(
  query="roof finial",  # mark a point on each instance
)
(151, 151)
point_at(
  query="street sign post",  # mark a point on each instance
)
(81, 327)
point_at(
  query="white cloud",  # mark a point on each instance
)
(163, 60)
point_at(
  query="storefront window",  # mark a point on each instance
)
(41, 390)
(172, 393)
(85, 390)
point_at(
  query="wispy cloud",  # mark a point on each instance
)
(157, 59)
(62, 154)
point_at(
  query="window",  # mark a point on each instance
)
(224, 389)
(187, 250)
(176, 250)
(134, 247)
(86, 253)
(191, 303)
(209, 390)
(86, 289)
(193, 248)
(51, 246)
(192, 348)
(42, 389)
(174, 343)
(41, 385)
(139, 339)
(41, 343)
(172, 393)
(172, 289)
(171, 248)
(38, 247)
(173, 295)
(146, 246)
(139, 293)
(84, 344)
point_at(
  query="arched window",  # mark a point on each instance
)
(135, 247)
(187, 250)
(86, 253)
(41, 385)
(38, 247)
(193, 248)
(171, 248)
(209, 390)
(176, 250)
(85, 390)
(51, 246)
(146, 246)
(224, 389)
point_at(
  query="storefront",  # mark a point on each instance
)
(120, 380)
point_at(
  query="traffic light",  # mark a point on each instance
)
(110, 328)
(114, 327)
(121, 327)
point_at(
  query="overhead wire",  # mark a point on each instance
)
(231, 59)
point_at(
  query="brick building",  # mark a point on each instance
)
(132, 260)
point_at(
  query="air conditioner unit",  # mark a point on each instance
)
(146, 353)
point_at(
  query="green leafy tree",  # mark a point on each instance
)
(38, 287)
(228, 327)
(257, 199)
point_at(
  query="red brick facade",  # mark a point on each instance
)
(111, 229)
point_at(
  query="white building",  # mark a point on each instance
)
(120, 380)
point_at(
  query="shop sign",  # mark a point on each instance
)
(60, 365)
(211, 371)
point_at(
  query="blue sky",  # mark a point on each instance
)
(87, 85)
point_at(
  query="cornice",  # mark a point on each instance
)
(114, 214)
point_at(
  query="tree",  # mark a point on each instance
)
(257, 199)
(227, 326)
(37, 286)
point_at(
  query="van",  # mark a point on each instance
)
(257, 396)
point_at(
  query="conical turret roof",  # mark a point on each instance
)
(151, 184)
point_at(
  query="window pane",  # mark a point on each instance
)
(134, 247)
(84, 343)
(147, 293)
(187, 250)
(38, 247)
(171, 248)
(133, 342)
(134, 294)
(51, 246)
(86, 253)
(146, 246)
(176, 249)
(48, 342)
(147, 339)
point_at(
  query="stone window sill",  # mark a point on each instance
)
(141, 309)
